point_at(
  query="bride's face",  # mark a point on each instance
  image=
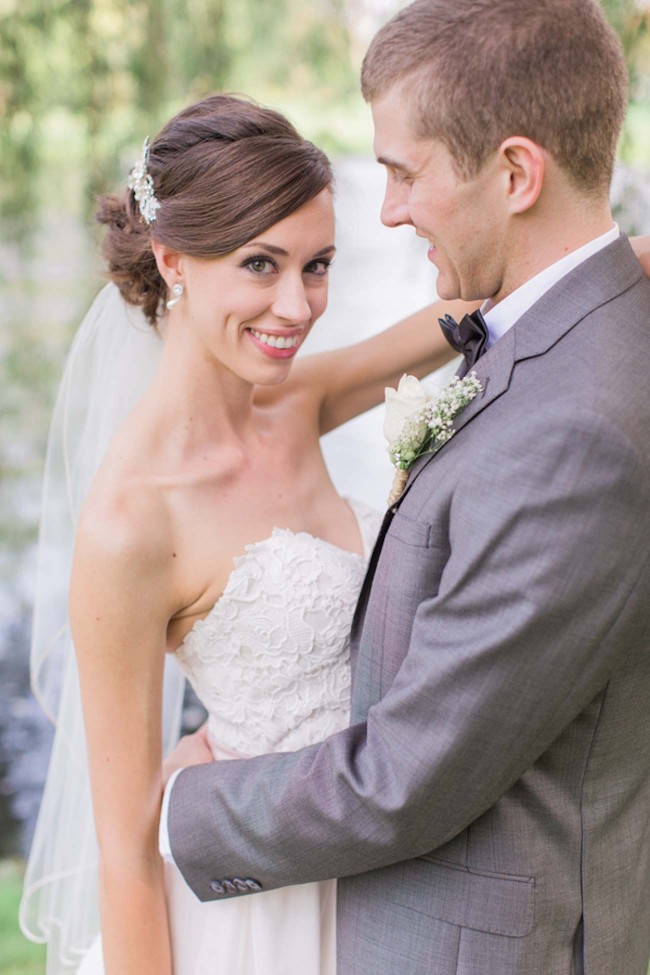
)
(253, 308)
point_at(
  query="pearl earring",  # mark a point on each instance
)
(177, 292)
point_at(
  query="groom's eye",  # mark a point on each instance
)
(399, 176)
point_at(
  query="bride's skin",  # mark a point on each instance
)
(223, 447)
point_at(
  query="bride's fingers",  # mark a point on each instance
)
(641, 247)
(190, 750)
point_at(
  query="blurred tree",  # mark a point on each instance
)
(631, 19)
(148, 61)
(91, 70)
(287, 44)
(199, 37)
(23, 29)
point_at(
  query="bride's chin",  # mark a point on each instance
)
(270, 373)
(274, 376)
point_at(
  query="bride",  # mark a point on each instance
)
(211, 532)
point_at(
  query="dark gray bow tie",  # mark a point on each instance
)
(469, 336)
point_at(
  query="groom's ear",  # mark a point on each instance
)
(524, 164)
(168, 261)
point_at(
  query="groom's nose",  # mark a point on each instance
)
(395, 211)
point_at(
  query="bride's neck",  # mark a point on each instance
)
(200, 401)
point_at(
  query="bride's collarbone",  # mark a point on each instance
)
(212, 537)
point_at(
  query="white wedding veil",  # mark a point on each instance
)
(111, 362)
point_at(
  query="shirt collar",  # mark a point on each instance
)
(502, 316)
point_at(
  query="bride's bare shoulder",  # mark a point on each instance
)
(125, 519)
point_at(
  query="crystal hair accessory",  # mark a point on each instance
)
(141, 183)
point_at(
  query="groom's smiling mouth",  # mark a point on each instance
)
(433, 249)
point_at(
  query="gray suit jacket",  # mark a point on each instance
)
(488, 810)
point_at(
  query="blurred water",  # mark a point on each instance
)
(25, 740)
(379, 276)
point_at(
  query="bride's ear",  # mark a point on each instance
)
(168, 261)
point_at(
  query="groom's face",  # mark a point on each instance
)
(463, 220)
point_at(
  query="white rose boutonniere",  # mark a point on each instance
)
(419, 421)
(409, 397)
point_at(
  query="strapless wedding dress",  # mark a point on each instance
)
(270, 663)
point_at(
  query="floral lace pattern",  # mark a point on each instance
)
(271, 661)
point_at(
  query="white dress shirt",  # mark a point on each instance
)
(164, 845)
(498, 318)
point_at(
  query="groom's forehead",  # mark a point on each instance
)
(391, 115)
(396, 144)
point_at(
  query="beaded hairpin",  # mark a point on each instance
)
(141, 183)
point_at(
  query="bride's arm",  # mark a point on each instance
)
(119, 607)
(351, 380)
(641, 247)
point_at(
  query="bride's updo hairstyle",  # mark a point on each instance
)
(224, 170)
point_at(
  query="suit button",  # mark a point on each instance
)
(229, 887)
(253, 885)
(216, 887)
(240, 885)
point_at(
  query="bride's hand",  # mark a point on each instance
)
(641, 247)
(191, 750)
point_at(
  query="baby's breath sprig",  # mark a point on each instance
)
(428, 428)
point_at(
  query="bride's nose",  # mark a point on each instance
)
(290, 301)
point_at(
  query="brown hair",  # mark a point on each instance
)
(224, 170)
(482, 70)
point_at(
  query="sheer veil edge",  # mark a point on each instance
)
(111, 363)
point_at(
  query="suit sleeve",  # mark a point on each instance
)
(539, 602)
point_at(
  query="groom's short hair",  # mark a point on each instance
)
(478, 71)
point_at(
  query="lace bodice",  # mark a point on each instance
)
(270, 662)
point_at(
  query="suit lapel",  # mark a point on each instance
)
(493, 371)
(360, 610)
(593, 283)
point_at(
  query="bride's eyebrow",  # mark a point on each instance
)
(280, 252)
(271, 248)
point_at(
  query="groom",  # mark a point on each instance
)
(488, 811)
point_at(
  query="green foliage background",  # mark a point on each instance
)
(82, 80)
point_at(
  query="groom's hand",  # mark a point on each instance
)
(191, 750)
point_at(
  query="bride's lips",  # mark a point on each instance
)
(289, 342)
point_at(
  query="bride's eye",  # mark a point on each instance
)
(319, 267)
(260, 264)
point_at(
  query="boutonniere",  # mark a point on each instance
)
(419, 420)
